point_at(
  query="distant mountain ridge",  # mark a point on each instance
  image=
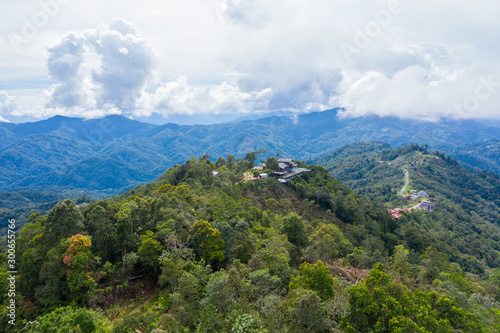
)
(112, 154)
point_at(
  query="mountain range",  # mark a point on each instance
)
(109, 155)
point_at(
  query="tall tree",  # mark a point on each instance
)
(63, 221)
(206, 241)
(293, 226)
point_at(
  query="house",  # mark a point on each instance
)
(288, 170)
(407, 197)
(396, 213)
(432, 199)
(286, 164)
(422, 194)
(284, 167)
(263, 176)
(261, 167)
(427, 205)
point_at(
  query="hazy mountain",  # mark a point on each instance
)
(112, 154)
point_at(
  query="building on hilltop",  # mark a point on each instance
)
(286, 164)
(427, 205)
(288, 170)
(260, 168)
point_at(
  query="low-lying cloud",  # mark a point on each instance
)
(8, 104)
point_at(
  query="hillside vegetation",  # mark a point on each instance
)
(198, 252)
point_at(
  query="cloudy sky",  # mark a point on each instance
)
(157, 59)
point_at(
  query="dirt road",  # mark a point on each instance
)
(407, 181)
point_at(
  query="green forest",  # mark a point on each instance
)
(205, 251)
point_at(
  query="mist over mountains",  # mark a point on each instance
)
(112, 154)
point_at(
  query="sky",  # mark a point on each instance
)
(159, 60)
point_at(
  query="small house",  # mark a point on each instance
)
(286, 164)
(427, 205)
(422, 194)
(261, 167)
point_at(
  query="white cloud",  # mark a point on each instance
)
(421, 80)
(8, 105)
(64, 65)
(241, 55)
(179, 98)
(127, 63)
(111, 70)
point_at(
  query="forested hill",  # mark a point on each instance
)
(377, 171)
(198, 251)
(467, 203)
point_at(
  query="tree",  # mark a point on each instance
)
(273, 252)
(251, 157)
(246, 323)
(63, 221)
(272, 164)
(433, 263)
(68, 319)
(206, 241)
(99, 222)
(149, 252)
(173, 263)
(220, 162)
(230, 161)
(315, 277)
(136, 322)
(306, 312)
(378, 304)
(76, 260)
(293, 226)
(186, 301)
(399, 261)
(218, 293)
(52, 288)
(171, 272)
(328, 242)
(263, 284)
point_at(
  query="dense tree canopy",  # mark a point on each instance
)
(199, 251)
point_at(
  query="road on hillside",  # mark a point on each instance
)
(407, 180)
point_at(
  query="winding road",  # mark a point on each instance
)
(407, 181)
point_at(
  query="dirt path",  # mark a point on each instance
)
(407, 181)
